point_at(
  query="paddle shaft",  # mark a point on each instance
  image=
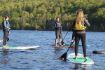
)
(69, 46)
(64, 36)
(64, 56)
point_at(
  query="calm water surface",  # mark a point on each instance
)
(45, 57)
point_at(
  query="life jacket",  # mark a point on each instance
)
(5, 26)
(79, 26)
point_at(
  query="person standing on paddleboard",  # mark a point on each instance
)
(58, 32)
(79, 27)
(6, 29)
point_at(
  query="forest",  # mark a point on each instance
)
(40, 14)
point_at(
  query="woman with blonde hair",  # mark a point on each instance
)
(79, 28)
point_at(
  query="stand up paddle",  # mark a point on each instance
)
(62, 42)
(64, 56)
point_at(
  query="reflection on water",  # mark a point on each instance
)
(81, 67)
(4, 57)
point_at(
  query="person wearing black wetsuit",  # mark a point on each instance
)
(6, 29)
(58, 32)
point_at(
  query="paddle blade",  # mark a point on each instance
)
(63, 57)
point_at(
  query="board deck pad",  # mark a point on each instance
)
(63, 46)
(20, 47)
(80, 59)
(67, 44)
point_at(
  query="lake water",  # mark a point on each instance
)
(45, 57)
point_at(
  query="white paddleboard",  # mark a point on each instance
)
(20, 47)
(80, 59)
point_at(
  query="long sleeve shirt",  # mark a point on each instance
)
(6, 25)
(58, 25)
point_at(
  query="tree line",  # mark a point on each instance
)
(40, 14)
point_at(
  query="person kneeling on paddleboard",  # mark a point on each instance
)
(6, 29)
(79, 27)
(58, 32)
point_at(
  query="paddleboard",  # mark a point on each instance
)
(99, 51)
(80, 59)
(63, 46)
(20, 47)
(66, 44)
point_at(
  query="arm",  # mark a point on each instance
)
(87, 23)
(73, 35)
(55, 24)
(7, 25)
(72, 26)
